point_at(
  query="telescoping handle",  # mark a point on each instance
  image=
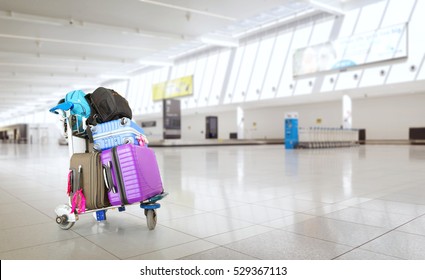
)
(107, 175)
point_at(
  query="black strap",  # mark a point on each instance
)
(93, 109)
(89, 134)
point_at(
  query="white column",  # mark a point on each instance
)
(347, 121)
(240, 123)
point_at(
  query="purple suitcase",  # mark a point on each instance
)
(133, 171)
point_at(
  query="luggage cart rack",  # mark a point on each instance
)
(65, 218)
(322, 137)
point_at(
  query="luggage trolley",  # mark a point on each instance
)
(77, 142)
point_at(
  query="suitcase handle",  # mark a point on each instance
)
(107, 175)
(80, 178)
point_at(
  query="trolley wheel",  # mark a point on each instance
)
(151, 218)
(63, 223)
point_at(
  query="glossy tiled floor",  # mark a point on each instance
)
(229, 202)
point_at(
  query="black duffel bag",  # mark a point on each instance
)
(107, 105)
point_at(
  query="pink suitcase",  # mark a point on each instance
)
(131, 173)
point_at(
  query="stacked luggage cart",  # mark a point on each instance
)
(322, 137)
(111, 165)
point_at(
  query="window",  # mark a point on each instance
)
(220, 73)
(230, 91)
(277, 62)
(208, 79)
(245, 72)
(260, 69)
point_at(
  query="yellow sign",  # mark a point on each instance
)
(175, 88)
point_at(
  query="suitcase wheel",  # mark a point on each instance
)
(151, 218)
(63, 223)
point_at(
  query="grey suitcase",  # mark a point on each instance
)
(87, 172)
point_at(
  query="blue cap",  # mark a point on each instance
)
(65, 106)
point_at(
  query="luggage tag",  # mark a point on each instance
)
(70, 182)
(78, 202)
(143, 140)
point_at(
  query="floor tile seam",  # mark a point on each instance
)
(243, 253)
(37, 200)
(376, 211)
(39, 244)
(356, 223)
(169, 219)
(409, 195)
(254, 223)
(412, 233)
(306, 212)
(295, 213)
(309, 214)
(29, 205)
(97, 245)
(173, 246)
(203, 213)
(385, 254)
(394, 229)
(316, 238)
(5, 203)
(305, 200)
(214, 212)
(18, 174)
(269, 227)
(211, 236)
(382, 211)
(291, 210)
(19, 185)
(18, 197)
(103, 233)
(203, 210)
(23, 226)
(397, 201)
(177, 230)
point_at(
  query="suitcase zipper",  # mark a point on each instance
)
(99, 185)
(112, 133)
(117, 171)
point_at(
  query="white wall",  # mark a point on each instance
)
(389, 117)
(384, 118)
(268, 123)
(152, 133)
(44, 133)
(193, 126)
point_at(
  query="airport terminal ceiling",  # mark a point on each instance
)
(48, 48)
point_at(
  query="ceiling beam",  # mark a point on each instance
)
(319, 5)
(189, 10)
(72, 42)
(66, 57)
(76, 23)
(220, 41)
